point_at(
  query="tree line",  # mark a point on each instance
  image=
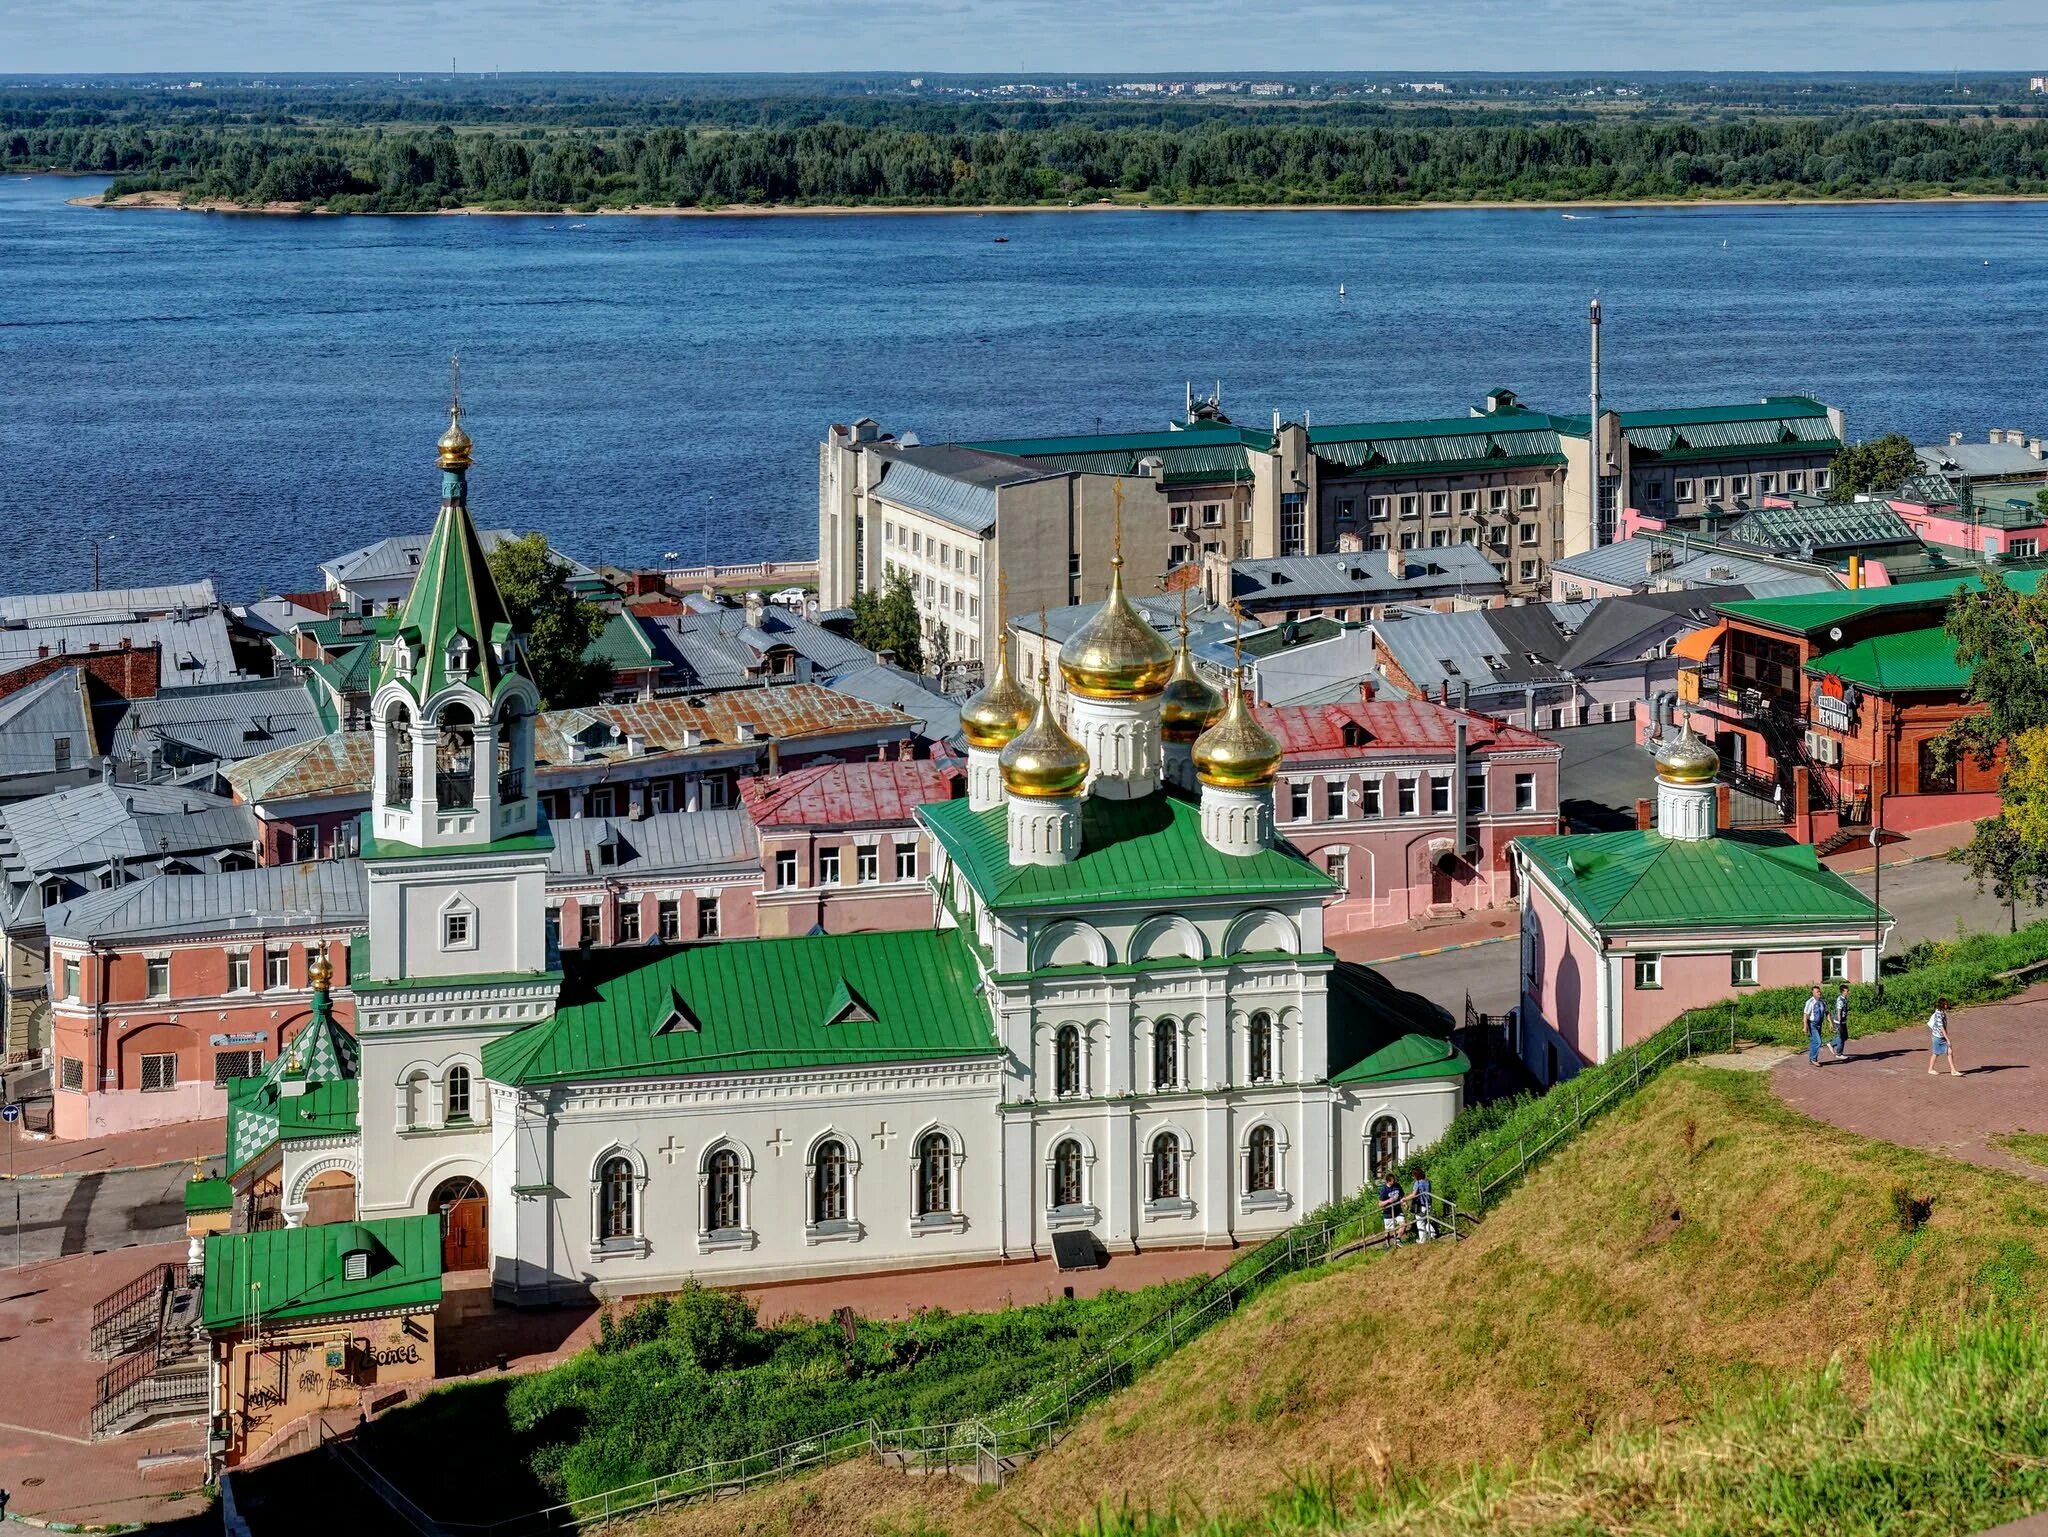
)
(838, 162)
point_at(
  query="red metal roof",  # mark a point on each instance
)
(1405, 726)
(850, 794)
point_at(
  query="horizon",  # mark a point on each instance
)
(1038, 38)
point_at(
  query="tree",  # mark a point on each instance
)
(558, 626)
(1877, 467)
(889, 622)
(2000, 634)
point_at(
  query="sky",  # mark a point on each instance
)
(1083, 36)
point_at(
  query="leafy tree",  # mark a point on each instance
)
(1877, 467)
(888, 622)
(2041, 501)
(557, 625)
(2001, 634)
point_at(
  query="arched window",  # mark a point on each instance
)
(1066, 1053)
(1383, 1147)
(398, 756)
(1165, 1172)
(455, 759)
(455, 1096)
(828, 1184)
(1066, 1173)
(1260, 1045)
(1166, 1055)
(414, 1093)
(512, 727)
(722, 1192)
(1261, 1161)
(615, 1194)
(934, 1175)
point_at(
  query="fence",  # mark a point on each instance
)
(122, 1317)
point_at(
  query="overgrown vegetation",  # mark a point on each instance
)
(1876, 467)
(2000, 635)
(557, 626)
(674, 1382)
(1210, 160)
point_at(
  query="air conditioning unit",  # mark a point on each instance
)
(1823, 748)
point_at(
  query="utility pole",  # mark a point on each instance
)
(1877, 899)
(1601, 533)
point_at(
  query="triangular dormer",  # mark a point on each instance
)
(680, 1017)
(848, 1008)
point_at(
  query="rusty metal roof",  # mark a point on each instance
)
(1404, 726)
(850, 794)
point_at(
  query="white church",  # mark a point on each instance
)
(1123, 1019)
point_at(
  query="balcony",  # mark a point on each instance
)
(511, 786)
(399, 792)
(455, 790)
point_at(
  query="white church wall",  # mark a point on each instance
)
(504, 899)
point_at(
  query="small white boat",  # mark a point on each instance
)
(1340, 290)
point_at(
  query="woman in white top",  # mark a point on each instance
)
(1938, 1043)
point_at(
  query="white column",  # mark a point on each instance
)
(1044, 830)
(1238, 822)
(984, 778)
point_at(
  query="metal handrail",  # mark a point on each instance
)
(147, 1290)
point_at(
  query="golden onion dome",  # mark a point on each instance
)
(1686, 760)
(454, 444)
(1042, 762)
(1237, 753)
(1116, 654)
(1000, 709)
(1190, 703)
(321, 972)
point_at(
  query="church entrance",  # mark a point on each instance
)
(330, 1198)
(462, 1207)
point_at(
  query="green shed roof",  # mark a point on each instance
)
(751, 1005)
(205, 1196)
(298, 1272)
(1810, 613)
(1912, 661)
(1148, 850)
(1639, 879)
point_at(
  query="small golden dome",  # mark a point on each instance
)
(321, 973)
(1237, 753)
(1002, 707)
(1042, 762)
(454, 444)
(1190, 704)
(1116, 654)
(1686, 760)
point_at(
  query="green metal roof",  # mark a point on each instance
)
(1811, 613)
(1193, 456)
(621, 643)
(298, 1272)
(260, 1116)
(1497, 440)
(752, 1005)
(1638, 879)
(1770, 408)
(206, 1196)
(1379, 1034)
(454, 594)
(1912, 661)
(1149, 850)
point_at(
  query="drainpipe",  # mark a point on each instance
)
(97, 1045)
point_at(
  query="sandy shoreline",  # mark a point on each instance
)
(171, 201)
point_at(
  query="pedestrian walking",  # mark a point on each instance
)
(1422, 1218)
(1815, 1014)
(1840, 1015)
(1390, 1208)
(1939, 1049)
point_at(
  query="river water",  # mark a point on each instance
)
(241, 396)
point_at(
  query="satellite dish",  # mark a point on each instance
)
(1834, 632)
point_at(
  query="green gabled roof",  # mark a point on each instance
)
(760, 1005)
(1912, 661)
(1639, 879)
(260, 1116)
(453, 594)
(1811, 613)
(1496, 440)
(1379, 1034)
(621, 643)
(297, 1272)
(1149, 850)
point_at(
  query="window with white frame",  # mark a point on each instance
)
(1068, 1184)
(238, 971)
(668, 915)
(1261, 1057)
(1497, 500)
(906, 861)
(1333, 799)
(828, 867)
(458, 929)
(1439, 503)
(1475, 791)
(1439, 794)
(618, 1201)
(455, 1103)
(1261, 1161)
(158, 977)
(1681, 490)
(1377, 506)
(1527, 496)
(629, 921)
(831, 1181)
(1525, 792)
(1649, 970)
(1297, 800)
(724, 1193)
(1411, 506)
(1710, 488)
(277, 968)
(1742, 968)
(867, 865)
(1369, 797)
(1337, 865)
(785, 869)
(1406, 792)
(1066, 1070)
(71, 969)
(1767, 483)
(1163, 1174)
(707, 918)
(1468, 501)
(934, 1193)
(1834, 964)
(1165, 1055)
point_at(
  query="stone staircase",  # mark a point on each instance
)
(151, 1329)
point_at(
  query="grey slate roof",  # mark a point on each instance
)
(35, 720)
(223, 723)
(938, 718)
(1307, 578)
(113, 605)
(323, 891)
(196, 648)
(952, 483)
(681, 843)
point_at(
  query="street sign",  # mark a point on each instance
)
(10, 1113)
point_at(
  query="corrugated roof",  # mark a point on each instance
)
(112, 605)
(1807, 615)
(321, 892)
(720, 840)
(755, 1005)
(953, 482)
(850, 794)
(298, 1272)
(1638, 879)
(1391, 726)
(1131, 851)
(1911, 661)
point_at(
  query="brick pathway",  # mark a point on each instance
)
(1883, 1090)
(1406, 939)
(130, 1150)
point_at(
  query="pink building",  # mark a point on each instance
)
(1409, 805)
(669, 878)
(1622, 932)
(164, 990)
(841, 847)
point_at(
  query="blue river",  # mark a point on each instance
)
(241, 396)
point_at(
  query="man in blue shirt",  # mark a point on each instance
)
(1418, 1206)
(1840, 1015)
(1390, 1208)
(1816, 1014)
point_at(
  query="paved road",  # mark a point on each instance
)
(92, 1211)
(1927, 900)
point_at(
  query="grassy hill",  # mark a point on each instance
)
(1674, 1326)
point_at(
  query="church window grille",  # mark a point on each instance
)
(1166, 1055)
(828, 1199)
(722, 1192)
(1066, 1173)
(1383, 1147)
(1261, 1161)
(615, 1195)
(455, 760)
(1067, 1060)
(455, 1092)
(1260, 1045)
(1165, 1177)
(934, 1174)
(398, 759)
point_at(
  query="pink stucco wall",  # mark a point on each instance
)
(1694, 980)
(1564, 983)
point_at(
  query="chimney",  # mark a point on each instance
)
(1368, 690)
(753, 606)
(636, 744)
(41, 652)
(107, 769)
(1443, 691)
(2034, 447)
(774, 758)
(886, 656)
(1460, 802)
(693, 736)
(1954, 438)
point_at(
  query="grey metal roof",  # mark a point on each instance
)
(36, 720)
(322, 892)
(938, 718)
(113, 605)
(681, 843)
(196, 648)
(952, 483)
(1695, 562)
(398, 555)
(79, 832)
(713, 646)
(1984, 461)
(1483, 648)
(1615, 628)
(224, 723)
(1303, 578)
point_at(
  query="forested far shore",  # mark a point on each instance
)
(366, 171)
